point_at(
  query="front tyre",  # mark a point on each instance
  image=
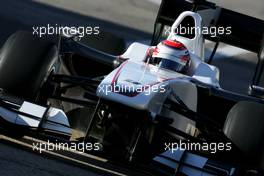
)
(25, 62)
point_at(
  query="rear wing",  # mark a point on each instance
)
(247, 32)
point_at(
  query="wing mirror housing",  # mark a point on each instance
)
(256, 91)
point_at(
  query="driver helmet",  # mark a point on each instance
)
(172, 55)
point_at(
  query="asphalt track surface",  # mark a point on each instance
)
(15, 161)
(132, 20)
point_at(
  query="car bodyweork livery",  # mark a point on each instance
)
(137, 109)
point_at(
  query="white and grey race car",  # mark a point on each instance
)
(136, 110)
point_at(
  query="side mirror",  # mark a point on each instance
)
(70, 33)
(256, 91)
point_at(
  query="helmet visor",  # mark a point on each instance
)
(171, 65)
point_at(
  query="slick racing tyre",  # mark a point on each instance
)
(25, 63)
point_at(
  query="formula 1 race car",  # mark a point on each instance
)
(136, 110)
